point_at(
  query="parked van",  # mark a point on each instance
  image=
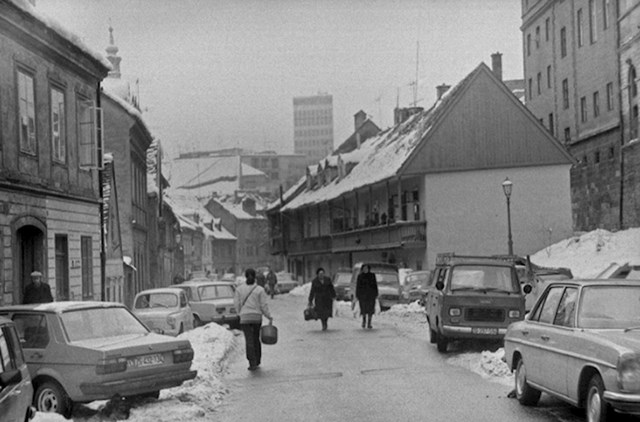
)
(389, 289)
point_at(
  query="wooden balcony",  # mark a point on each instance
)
(310, 246)
(402, 234)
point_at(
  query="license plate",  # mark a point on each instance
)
(486, 331)
(145, 360)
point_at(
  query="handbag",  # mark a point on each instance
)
(269, 334)
(309, 314)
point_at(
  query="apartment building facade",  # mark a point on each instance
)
(313, 127)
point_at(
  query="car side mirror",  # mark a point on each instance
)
(10, 377)
(439, 285)
(527, 289)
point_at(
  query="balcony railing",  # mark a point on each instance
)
(313, 245)
(402, 234)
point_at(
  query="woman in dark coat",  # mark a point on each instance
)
(367, 293)
(323, 293)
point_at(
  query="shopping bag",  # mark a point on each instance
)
(355, 307)
(378, 308)
(269, 334)
(310, 314)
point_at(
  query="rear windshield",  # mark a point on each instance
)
(342, 279)
(387, 279)
(156, 300)
(87, 324)
(484, 278)
(215, 292)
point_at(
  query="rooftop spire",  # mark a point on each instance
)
(112, 55)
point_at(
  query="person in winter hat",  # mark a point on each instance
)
(251, 303)
(323, 293)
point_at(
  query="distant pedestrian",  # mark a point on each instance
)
(367, 294)
(251, 302)
(323, 294)
(37, 291)
(272, 280)
(261, 279)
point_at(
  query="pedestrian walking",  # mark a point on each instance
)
(367, 294)
(261, 279)
(322, 295)
(251, 302)
(37, 291)
(272, 280)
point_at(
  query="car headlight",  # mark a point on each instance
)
(454, 312)
(629, 372)
(514, 313)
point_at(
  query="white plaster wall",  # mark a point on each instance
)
(466, 212)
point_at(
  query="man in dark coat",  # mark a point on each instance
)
(37, 291)
(367, 293)
(261, 279)
(323, 293)
(272, 280)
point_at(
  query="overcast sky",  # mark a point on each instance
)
(223, 73)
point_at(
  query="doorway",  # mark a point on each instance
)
(30, 240)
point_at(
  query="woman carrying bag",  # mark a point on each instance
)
(251, 302)
(323, 293)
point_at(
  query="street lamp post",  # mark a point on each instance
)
(506, 187)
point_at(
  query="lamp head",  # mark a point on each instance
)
(506, 187)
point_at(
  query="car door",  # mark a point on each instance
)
(16, 390)
(563, 339)
(34, 334)
(435, 297)
(538, 353)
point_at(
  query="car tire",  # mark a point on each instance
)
(597, 409)
(196, 321)
(433, 336)
(441, 343)
(526, 395)
(50, 397)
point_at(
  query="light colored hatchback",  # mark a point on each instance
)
(164, 310)
(211, 301)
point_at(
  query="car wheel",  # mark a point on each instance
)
(441, 342)
(50, 397)
(597, 409)
(196, 322)
(181, 330)
(526, 395)
(433, 335)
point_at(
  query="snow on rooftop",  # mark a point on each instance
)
(49, 22)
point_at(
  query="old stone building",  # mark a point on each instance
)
(50, 156)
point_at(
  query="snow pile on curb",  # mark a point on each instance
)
(401, 309)
(301, 290)
(487, 364)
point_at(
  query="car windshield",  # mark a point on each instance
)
(609, 307)
(483, 277)
(215, 292)
(156, 300)
(342, 279)
(387, 279)
(87, 324)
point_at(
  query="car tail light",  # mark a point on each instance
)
(514, 313)
(629, 373)
(110, 366)
(182, 355)
(455, 312)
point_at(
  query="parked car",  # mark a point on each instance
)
(580, 343)
(341, 282)
(16, 390)
(388, 282)
(164, 310)
(212, 301)
(86, 351)
(286, 282)
(415, 286)
(474, 297)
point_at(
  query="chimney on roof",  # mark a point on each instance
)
(496, 64)
(441, 89)
(359, 118)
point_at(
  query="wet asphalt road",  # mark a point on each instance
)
(351, 374)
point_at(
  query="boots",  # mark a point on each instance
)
(324, 325)
(364, 320)
(369, 322)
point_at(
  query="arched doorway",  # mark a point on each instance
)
(31, 256)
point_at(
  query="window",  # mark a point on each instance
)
(551, 123)
(62, 267)
(633, 85)
(89, 134)
(566, 314)
(563, 42)
(565, 94)
(549, 76)
(610, 96)
(547, 26)
(537, 37)
(86, 254)
(567, 134)
(58, 126)
(539, 80)
(580, 28)
(596, 157)
(530, 88)
(593, 22)
(596, 104)
(546, 310)
(605, 13)
(528, 44)
(27, 113)
(33, 329)
(583, 109)
(612, 152)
